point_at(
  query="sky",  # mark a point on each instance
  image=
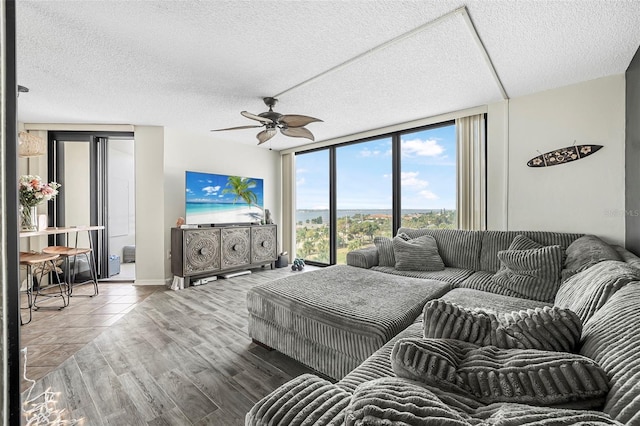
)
(208, 187)
(428, 173)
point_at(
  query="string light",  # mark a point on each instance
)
(41, 409)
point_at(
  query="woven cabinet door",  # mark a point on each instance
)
(264, 244)
(235, 247)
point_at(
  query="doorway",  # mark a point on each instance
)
(96, 171)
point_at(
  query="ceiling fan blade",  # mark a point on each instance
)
(265, 135)
(297, 132)
(294, 120)
(256, 117)
(236, 128)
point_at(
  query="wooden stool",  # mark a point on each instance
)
(47, 265)
(70, 276)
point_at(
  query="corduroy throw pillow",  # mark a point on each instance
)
(548, 328)
(490, 374)
(531, 274)
(585, 252)
(417, 254)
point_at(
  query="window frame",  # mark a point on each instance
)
(396, 168)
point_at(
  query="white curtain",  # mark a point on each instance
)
(472, 172)
(289, 204)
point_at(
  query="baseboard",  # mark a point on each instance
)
(153, 282)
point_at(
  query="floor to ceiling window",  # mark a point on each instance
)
(364, 198)
(348, 194)
(312, 206)
(428, 177)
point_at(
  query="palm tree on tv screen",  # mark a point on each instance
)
(241, 187)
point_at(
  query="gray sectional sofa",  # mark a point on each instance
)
(554, 317)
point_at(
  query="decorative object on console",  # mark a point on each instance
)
(33, 191)
(267, 217)
(283, 260)
(213, 199)
(563, 155)
(298, 264)
(179, 222)
(289, 124)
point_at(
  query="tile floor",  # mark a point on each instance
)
(55, 335)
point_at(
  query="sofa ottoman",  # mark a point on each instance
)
(334, 318)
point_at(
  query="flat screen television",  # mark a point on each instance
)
(213, 199)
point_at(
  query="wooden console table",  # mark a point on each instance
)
(201, 252)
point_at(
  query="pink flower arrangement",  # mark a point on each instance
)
(34, 191)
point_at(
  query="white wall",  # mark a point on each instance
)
(121, 173)
(150, 198)
(202, 152)
(76, 188)
(584, 196)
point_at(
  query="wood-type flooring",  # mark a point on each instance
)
(176, 358)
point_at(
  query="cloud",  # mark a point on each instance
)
(410, 179)
(300, 181)
(211, 190)
(422, 148)
(428, 195)
(189, 191)
(368, 153)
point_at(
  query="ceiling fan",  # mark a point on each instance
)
(289, 124)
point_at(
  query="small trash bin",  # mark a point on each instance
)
(283, 261)
(114, 265)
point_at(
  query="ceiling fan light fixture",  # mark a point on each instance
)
(289, 124)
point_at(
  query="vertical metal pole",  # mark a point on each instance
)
(10, 384)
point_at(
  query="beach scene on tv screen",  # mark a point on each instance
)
(218, 199)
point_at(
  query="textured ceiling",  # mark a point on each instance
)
(197, 64)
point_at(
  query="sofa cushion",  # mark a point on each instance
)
(307, 399)
(612, 338)
(548, 328)
(333, 318)
(585, 252)
(452, 276)
(365, 257)
(533, 274)
(526, 415)
(391, 401)
(418, 254)
(491, 374)
(457, 248)
(402, 402)
(587, 291)
(490, 302)
(495, 241)
(385, 251)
